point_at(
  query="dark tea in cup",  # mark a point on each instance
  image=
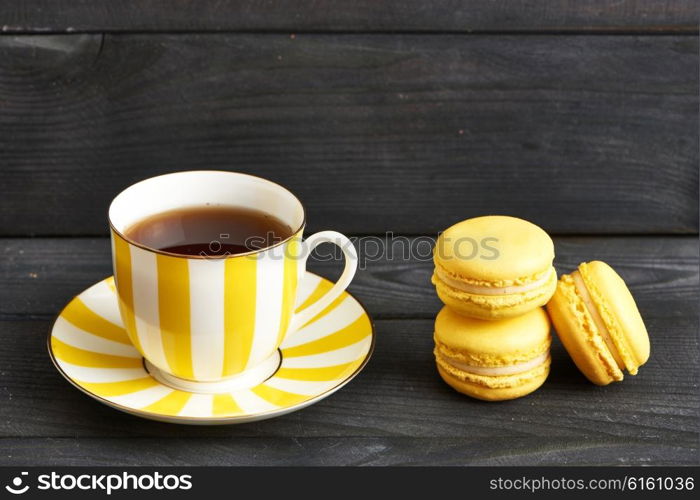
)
(209, 231)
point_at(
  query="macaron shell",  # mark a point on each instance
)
(491, 307)
(492, 343)
(528, 383)
(494, 250)
(577, 331)
(619, 312)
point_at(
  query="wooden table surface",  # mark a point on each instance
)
(397, 411)
(383, 116)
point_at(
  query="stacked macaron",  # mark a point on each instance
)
(494, 267)
(492, 339)
(493, 360)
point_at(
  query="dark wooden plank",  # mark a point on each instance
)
(38, 276)
(329, 451)
(336, 15)
(397, 404)
(398, 394)
(405, 133)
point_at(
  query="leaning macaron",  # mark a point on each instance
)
(493, 360)
(598, 322)
(494, 267)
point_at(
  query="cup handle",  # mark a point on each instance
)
(305, 315)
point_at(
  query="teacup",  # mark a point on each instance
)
(211, 324)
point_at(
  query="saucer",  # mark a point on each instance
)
(90, 348)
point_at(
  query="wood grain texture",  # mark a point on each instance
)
(39, 275)
(337, 15)
(407, 133)
(329, 451)
(397, 411)
(398, 395)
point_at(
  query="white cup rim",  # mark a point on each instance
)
(217, 257)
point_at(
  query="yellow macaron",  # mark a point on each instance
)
(493, 360)
(598, 322)
(494, 267)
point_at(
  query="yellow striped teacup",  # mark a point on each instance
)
(209, 324)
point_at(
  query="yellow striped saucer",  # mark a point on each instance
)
(90, 348)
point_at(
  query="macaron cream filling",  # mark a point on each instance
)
(585, 296)
(485, 290)
(497, 370)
